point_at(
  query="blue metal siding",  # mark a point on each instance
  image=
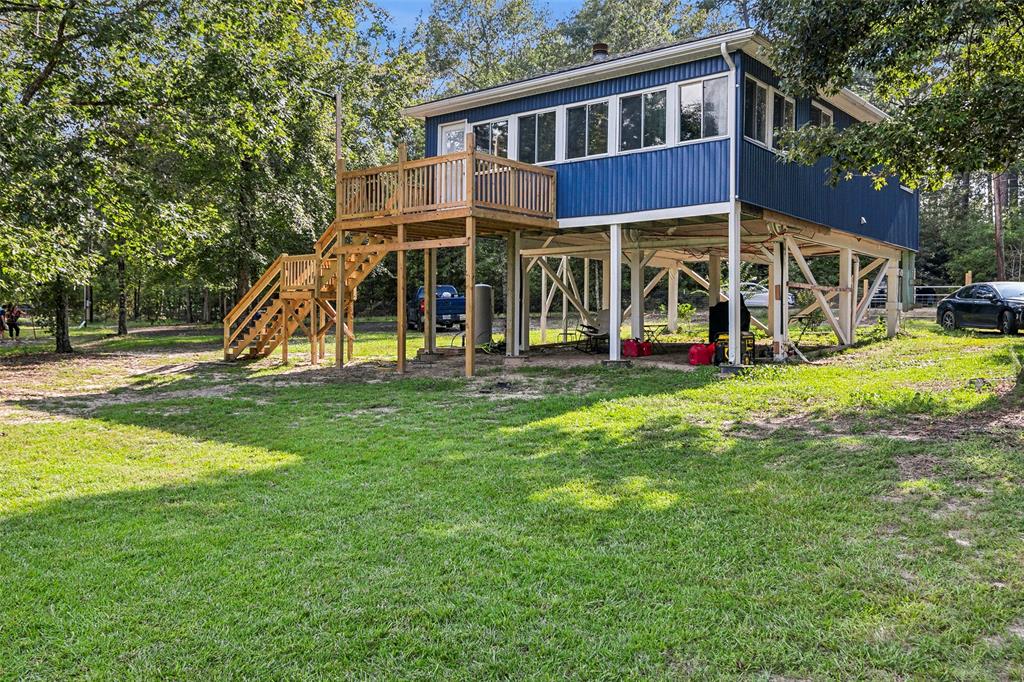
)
(580, 93)
(889, 214)
(685, 175)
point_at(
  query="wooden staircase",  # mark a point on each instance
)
(300, 293)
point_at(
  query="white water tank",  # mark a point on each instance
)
(483, 312)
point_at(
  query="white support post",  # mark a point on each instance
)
(780, 283)
(516, 311)
(714, 281)
(636, 293)
(673, 298)
(892, 297)
(846, 293)
(735, 345)
(854, 283)
(771, 292)
(615, 293)
(524, 279)
(510, 294)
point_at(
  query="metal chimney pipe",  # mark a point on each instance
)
(599, 53)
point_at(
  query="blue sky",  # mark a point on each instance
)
(406, 11)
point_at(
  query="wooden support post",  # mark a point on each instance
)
(286, 307)
(543, 304)
(673, 298)
(470, 295)
(339, 304)
(430, 300)
(847, 292)
(615, 294)
(968, 277)
(636, 292)
(586, 284)
(314, 330)
(322, 338)
(400, 297)
(714, 280)
(892, 297)
(565, 298)
(350, 322)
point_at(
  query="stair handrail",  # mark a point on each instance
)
(262, 282)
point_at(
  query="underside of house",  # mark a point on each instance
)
(711, 192)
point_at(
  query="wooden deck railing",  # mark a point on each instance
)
(300, 273)
(443, 182)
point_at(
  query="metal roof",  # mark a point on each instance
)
(644, 59)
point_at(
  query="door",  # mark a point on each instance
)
(984, 307)
(451, 178)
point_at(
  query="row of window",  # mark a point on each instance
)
(642, 120)
(762, 104)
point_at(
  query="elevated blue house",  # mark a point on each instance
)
(655, 160)
(668, 155)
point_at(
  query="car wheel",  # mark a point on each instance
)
(949, 320)
(1007, 323)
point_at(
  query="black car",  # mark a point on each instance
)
(987, 305)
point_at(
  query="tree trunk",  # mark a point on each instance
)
(122, 298)
(188, 306)
(206, 306)
(61, 329)
(244, 219)
(136, 304)
(1013, 189)
(92, 305)
(999, 196)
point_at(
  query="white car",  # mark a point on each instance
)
(755, 295)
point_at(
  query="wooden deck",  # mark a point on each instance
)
(428, 204)
(433, 197)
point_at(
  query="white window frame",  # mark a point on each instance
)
(771, 115)
(466, 128)
(497, 119)
(674, 101)
(825, 110)
(669, 131)
(613, 126)
(614, 133)
(769, 142)
(537, 112)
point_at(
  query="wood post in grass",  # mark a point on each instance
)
(400, 298)
(470, 302)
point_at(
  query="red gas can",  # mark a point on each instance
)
(646, 348)
(631, 348)
(702, 354)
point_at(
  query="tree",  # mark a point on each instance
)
(951, 74)
(626, 25)
(471, 44)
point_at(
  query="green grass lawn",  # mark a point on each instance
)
(166, 515)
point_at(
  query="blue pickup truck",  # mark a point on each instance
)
(451, 308)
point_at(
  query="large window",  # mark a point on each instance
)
(703, 109)
(755, 111)
(642, 120)
(586, 130)
(537, 137)
(492, 138)
(820, 116)
(783, 117)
